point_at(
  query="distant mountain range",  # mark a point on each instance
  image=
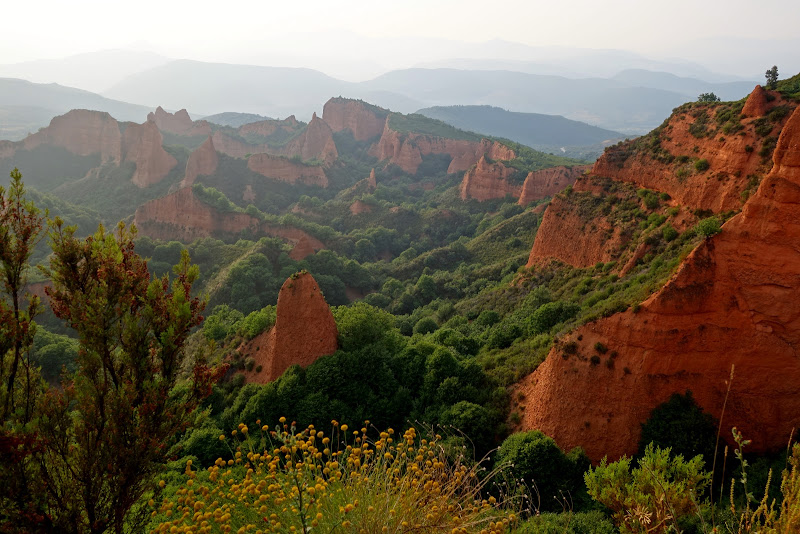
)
(25, 107)
(632, 101)
(548, 133)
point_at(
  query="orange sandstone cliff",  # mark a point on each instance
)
(664, 160)
(731, 303)
(406, 150)
(364, 120)
(202, 161)
(81, 132)
(548, 182)
(316, 142)
(141, 144)
(304, 330)
(178, 123)
(183, 216)
(488, 180)
(286, 170)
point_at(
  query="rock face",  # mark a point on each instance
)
(304, 330)
(286, 170)
(233, 147)
(179, 123)
(183, 216)
(364, 120)
(406, 150)
(269, 126)
(304, 248)
(316, 142)
(731, 163)
(202, 161)
(141, 144)
(488, 180)
(757, 104)
(358, 207)
(732, 302)
(548, 182)
(81, 132)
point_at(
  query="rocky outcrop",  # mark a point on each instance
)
(202, 161)
(141, 144)
(304, 248)
(81, 132)
(183, 216)
(304, 330)
(406, 150)
(270, 126)
(364, 120)
(732, 158)
(286, 170)
(731, 303)
(178, 123)
(547, 182)
(567, 236)
(358, 207)
(315, 143)
(757, 104)
(488, 180)
(234, 148)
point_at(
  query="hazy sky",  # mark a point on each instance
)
(215, 30)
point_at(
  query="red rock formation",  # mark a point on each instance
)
(7, 149)
(141, 144)
(719, 188)
(183, 216)
(302, 249)
(291, 234)
(304, 330)
(566, 236)
(372, 181)
(406, 150)
(81, 132)
(180, 123)
(364, 120)
(203, 161)
(316, 142)
(358, 207)
(269, 126)
(234, 148)
(732, 302)
(757, 104)
(487, 180)
(286, 170)
(548, 182)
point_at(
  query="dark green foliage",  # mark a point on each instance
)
(681, 425)
(488, 318)
(772, 77)
(593, 522)
(222, 322)
(669, 233)
(708, 97)
(553, 476)
(54, 353)
(426, 325)
(420, 124)
(708, 227)
(701, 165)
(549, 315)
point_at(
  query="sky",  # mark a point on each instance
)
(704, 30)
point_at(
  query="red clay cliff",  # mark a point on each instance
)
(732, 302)
(304, 330)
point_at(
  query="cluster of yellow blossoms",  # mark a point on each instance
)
(290, 481)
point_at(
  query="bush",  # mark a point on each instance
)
(549, 315)
(661, 490)
(681, 425)
(701, 165)
(708, 227)
(535, 459)
(426, 325)
(488, 318)
(669, 233)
